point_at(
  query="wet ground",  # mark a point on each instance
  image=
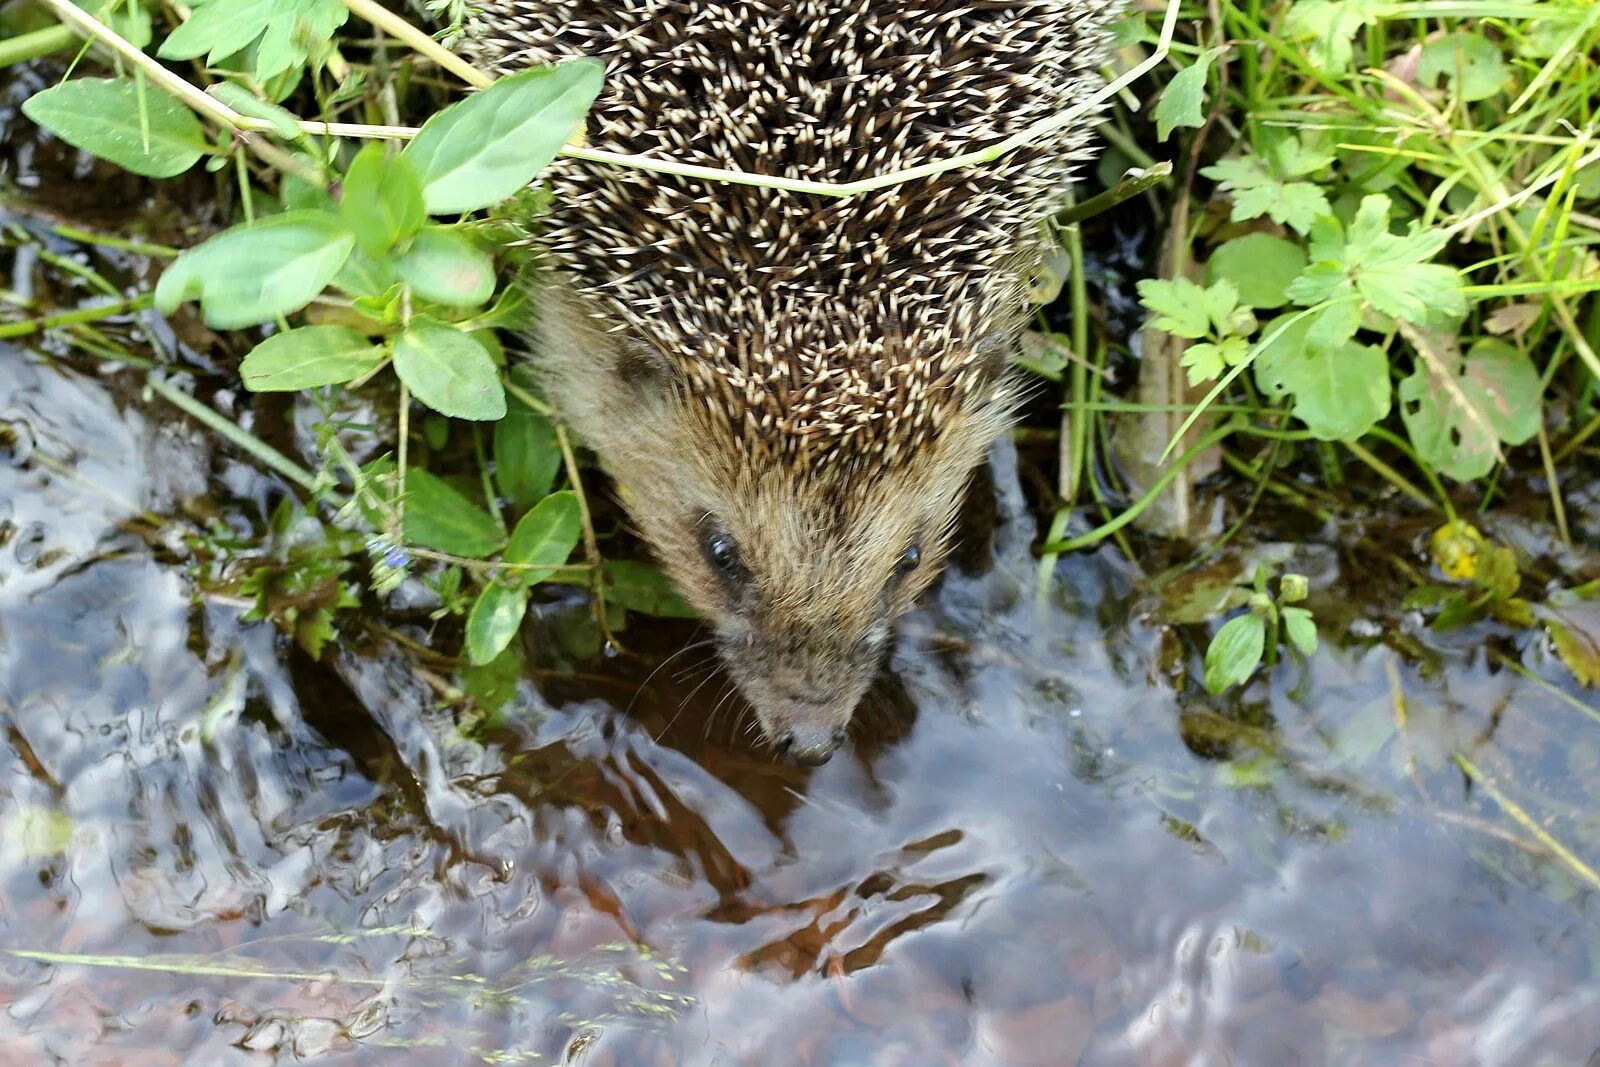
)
(1038, 850)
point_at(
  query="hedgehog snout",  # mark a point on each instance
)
(809, 744)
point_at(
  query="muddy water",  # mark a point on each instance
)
(216, 852)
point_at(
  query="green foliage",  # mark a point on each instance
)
(298, 580)
(494, 143)
(1242, 642)
(1467, 62)
(308, 357)
(1267, 184)
(280, 35)
(1187, 310)
(1497, 396)
(1328, 30)
(1258, 265)
(382, 200)
(1340, 391)
(143, 131)
(1183, 101)
(448, 370)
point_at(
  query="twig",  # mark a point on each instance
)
(1529, 823)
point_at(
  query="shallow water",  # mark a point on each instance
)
(213, 851)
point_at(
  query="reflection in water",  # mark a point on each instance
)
(212, 850)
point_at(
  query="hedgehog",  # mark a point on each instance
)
(790, 392)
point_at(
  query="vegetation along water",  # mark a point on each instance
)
(345, 715)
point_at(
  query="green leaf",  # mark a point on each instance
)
(494, 620)
(1234, 652)
(492, 144)
(369, 277)
(1256, 191)
(218, 29)
(102, 117)
(308, 357)
(1468, 61)
(527, 456)
(447, 268)
(545, 537)
(1572, 618)
(1340, 392)
(1180, 306)
(382, 200)
(254, 273)
(1260, 266)
(299, 31)
(1301, 628)
(440, 517)
(1183, 100)
(1499, 382)
(1329, 29)
(1205, 361)
(449, 371)
(640, 587)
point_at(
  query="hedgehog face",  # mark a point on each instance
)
(801, 569)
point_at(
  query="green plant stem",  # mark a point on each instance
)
(1106, 529)
(1529, 823)
(74, 317)
(1392, 476)
(1131, 185)
(269, 457)
(33, 45)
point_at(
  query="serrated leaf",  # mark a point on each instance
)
(1179, 305)
(1257, 191)
(382, 200)
(102, 117)
(1301, 630)
(300, 30)
(1260, 266)
(254, 273)
(1183, 100)
(545, 538)
(493, 621)
(1234, 652)
(449, 371)
(489, 146)
(446, 268)
(308, 357)
(440, 517)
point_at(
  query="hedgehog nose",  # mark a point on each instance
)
(809, 746)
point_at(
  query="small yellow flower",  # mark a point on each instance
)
(1456, 547)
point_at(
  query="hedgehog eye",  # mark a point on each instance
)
(722, 553)
(908, 561)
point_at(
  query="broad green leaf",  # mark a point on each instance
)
(527, 456)
(308, 357)
(640, 587)
(494, 620)
(299, 30)
(1469, 62)
(218, 29)
(102, 117)
(382, 200)
(449, 371)
(1182, 103)
(1260, 266)
(448, 269)
(254, 273)
(492, 144)
(544, 538)
(1234, 652)
(1301, 628)
(440, 517)
(368, 277)
(1340, 391)
(1499, 382)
